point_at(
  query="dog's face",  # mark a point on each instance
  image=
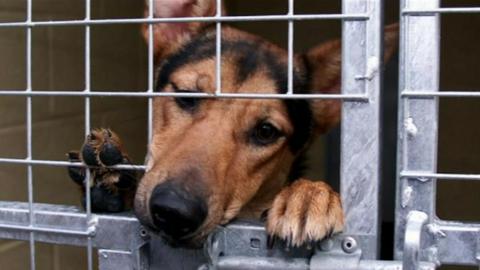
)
(210, 158)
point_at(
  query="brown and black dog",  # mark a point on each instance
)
(212, 160)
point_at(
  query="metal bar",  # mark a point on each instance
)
(457, 243)
(433, 11)
(425, 94)
(64, 163)
(291, 7)
(254, 263)
(360, 143)
(29, 136)
(299, 17)
(346, 97)
(67, 225)
(418, 123)
(151, 67)
(439, 176)
(218, 50)
(390, 265)
(88, 203)
(47, 230)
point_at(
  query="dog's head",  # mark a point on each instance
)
(211, 158)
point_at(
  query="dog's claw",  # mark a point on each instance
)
(305, 212)
(263, 217)
(270, 241)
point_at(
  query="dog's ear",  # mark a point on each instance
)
(169, 36)
(324, 65)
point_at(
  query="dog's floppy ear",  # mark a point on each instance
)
(169, 36)
(324, 65)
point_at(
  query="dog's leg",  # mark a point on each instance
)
(111, 190)
(305, 212)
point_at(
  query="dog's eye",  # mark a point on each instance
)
(187, 103)
(265, 133)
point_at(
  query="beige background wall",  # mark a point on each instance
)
(119, 60)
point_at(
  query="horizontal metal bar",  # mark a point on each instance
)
(445, 10)
(457, 242)
(261, 263)
(346, 97)
(86, 233)
(425, 94)
(64, 163)
(298, 17)
(390, 265)
(68, 225)
(445, 176)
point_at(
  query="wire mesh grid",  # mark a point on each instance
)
(426, 94)
(218, 19)
(445, 242)
(87, 93)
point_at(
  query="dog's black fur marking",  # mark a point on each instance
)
(298, 168)
(251, 57)
(197, 50)
(248, 60)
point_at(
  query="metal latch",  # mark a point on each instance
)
(244, 245)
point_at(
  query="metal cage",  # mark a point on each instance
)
(422, 241)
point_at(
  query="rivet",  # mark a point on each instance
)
(349, 244)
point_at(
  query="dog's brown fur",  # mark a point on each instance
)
(239, 178)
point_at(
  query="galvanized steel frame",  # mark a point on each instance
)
(123, 243)
(362, 44)
(443, 242)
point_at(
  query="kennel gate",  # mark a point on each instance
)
(422, 240)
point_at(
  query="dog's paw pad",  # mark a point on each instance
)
(111, 189)
(110, 154)
(102, 148)
(89, 155)
(304, 213)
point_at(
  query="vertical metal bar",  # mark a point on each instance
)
(291, 7)
(87, 130)
(218, 42)
(360, 138)
(29, 136)
(418, 118)
(150, 71)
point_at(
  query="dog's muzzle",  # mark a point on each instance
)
(176, 212)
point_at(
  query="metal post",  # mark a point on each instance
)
(360, 140)
(418, 123)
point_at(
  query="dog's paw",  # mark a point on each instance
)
(305, 212)
(102, 148)
(111, 190)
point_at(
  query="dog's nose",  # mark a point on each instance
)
(176, 212)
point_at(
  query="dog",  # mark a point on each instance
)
(213, 160)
